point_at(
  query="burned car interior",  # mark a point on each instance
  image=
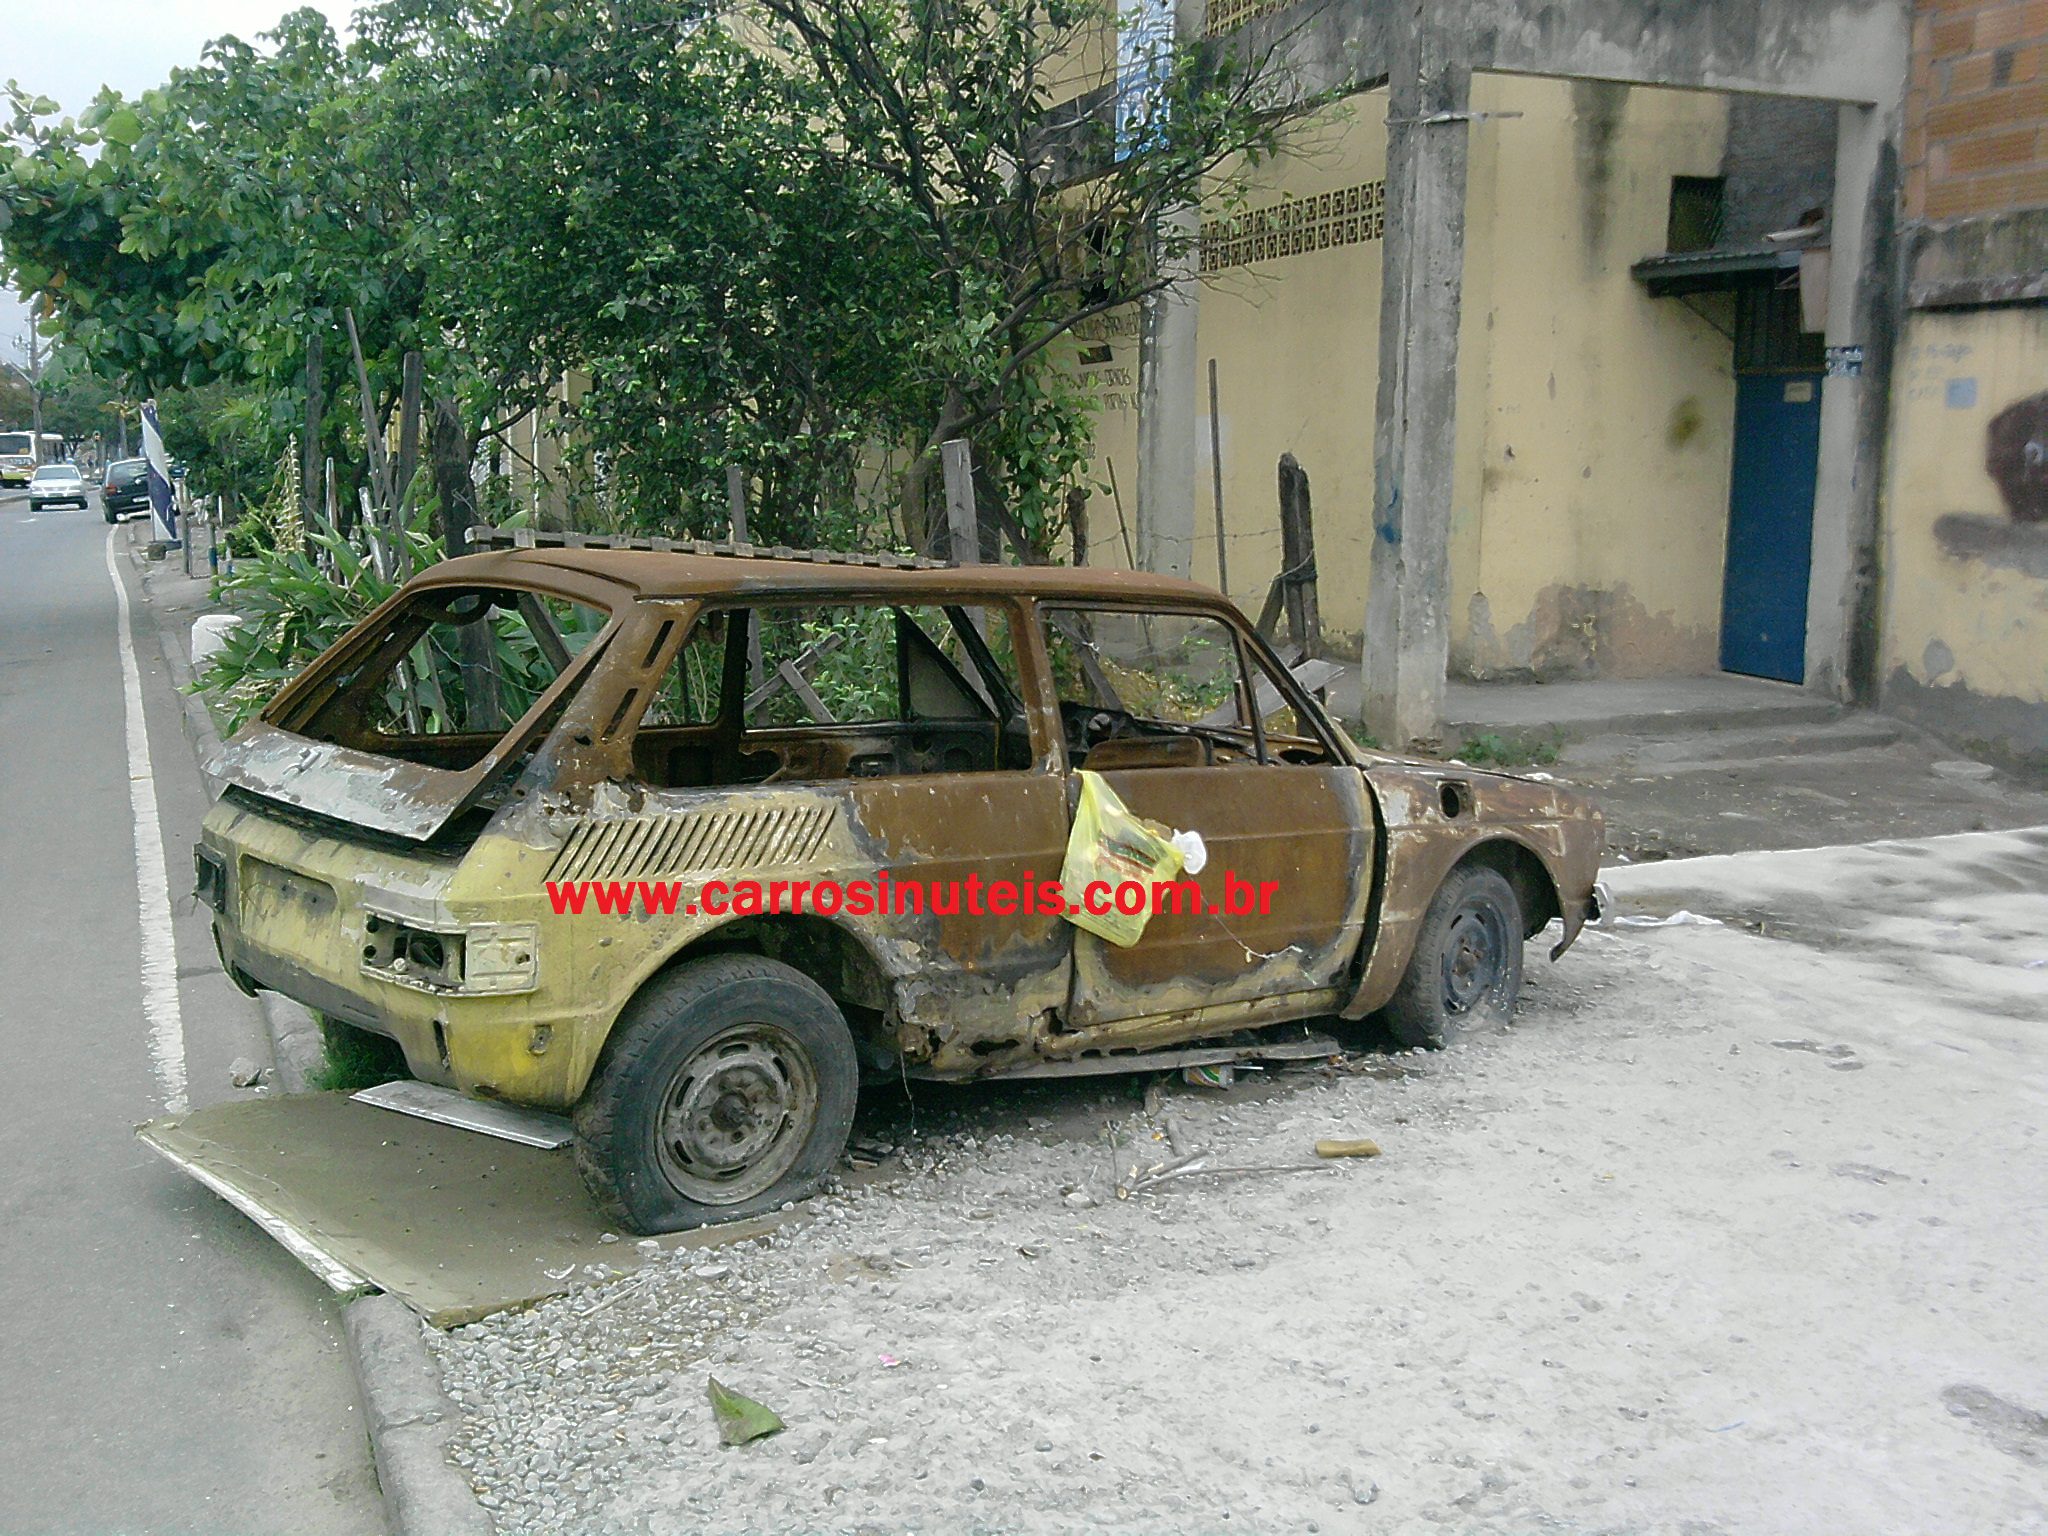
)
(786, 694)
(768, 693)
(447, 674)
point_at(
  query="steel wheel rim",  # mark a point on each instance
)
(736, 1114)
(1475, 959)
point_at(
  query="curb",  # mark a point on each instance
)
(297, 1046)
(411, 1421)
(409, 1418)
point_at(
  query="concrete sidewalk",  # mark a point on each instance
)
(1549, 714)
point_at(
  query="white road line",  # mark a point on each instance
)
(152, 882)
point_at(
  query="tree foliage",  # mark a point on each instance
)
(814, 238)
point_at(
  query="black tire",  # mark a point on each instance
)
(112, 515)
(727, 1088)
(1467, 965)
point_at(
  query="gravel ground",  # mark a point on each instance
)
(1726, 1233)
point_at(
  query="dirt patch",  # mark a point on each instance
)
(1622, 1266)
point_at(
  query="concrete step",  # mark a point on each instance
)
(1673, 750)
(1566, 712)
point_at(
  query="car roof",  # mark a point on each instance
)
(660, 574)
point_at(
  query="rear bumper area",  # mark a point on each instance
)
(440, 952)
(475, 1044)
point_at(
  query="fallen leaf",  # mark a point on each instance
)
(740, 1419)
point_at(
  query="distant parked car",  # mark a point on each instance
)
(126, 488)
(56, 482)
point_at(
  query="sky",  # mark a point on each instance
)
(68, 49)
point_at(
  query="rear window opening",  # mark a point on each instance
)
(448, 674)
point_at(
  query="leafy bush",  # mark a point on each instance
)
(294, 603)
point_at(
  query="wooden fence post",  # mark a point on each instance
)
(1216, 483)
(1298, 557)
(736, 508)
(411, 381)
(1077, 521)
(316, 407)
(962, 530)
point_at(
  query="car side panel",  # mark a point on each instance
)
(1424, 841)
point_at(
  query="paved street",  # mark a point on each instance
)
(169, 1368)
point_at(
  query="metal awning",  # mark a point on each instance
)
(1719, 271)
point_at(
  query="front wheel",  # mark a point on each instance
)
(726, 1089)
(1467, 965)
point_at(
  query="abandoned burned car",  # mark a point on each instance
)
(411, 826)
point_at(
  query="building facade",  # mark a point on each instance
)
(1617, 341)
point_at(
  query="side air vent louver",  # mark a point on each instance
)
(651, 847)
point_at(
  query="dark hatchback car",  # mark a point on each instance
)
(126, 488)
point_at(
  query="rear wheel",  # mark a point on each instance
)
(727, 1089)
(1467, 965)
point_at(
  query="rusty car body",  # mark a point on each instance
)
(383, 850)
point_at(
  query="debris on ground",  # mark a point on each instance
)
(1620, 1245)
(1354, 1147)
(246, 1072)
(740, 1419)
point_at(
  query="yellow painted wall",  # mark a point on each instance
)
(1296, 341)
(1595, 423)
(1965, 609)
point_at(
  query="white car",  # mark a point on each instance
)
(56, 482)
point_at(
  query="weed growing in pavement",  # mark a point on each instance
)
(355, 1059)
(1491, 750)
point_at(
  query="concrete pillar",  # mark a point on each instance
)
(1407, 631)
(1167, 416)
(1842, 591)
(1169, 323)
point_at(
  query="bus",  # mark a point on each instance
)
(19, 454)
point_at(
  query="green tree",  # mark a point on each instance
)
(1032, 210)
(205, 233)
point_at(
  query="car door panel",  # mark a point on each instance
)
(1299, 834)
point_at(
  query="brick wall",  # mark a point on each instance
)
(1977, 112)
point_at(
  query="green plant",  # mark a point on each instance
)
(293, 604)
(1490, 749)
(355, 1059)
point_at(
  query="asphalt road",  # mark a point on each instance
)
(166, 1366)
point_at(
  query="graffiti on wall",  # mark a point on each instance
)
(2016, 459)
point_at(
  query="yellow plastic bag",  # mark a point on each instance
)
(1112, 846)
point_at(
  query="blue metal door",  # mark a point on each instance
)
(1770, 525)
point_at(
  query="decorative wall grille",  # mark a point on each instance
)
(1228, 15)
(1348, 216)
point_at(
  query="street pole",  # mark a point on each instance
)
(35, 378)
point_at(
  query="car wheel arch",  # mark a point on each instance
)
(1524, 866)
(835, 955)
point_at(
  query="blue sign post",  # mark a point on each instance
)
(163, 511)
